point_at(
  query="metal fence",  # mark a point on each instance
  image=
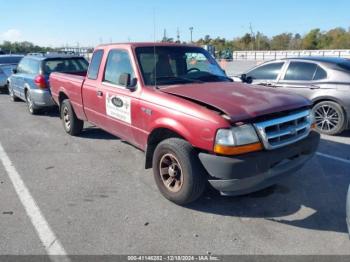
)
(271, 55)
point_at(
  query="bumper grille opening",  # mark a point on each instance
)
(286, 130)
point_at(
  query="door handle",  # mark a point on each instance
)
(99, 93)
(314, 87)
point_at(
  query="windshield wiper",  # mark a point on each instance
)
(210, 76)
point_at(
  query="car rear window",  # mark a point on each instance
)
(10, 59)
(65, 65)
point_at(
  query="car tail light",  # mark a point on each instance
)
(40, 81)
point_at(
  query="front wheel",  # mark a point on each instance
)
(71, 124)
(330, 118)
(178, 172)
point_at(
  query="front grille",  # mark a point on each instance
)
(285, 130)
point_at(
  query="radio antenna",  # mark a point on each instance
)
(154, 47)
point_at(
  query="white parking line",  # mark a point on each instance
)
(334, 158)
(47, 236)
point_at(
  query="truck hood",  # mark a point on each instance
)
(239, 101)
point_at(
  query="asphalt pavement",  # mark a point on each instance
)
(95, 197)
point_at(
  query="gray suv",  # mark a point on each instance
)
(30, 80)
(324, 80)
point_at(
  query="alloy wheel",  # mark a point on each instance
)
(327, 117)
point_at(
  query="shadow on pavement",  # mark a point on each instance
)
(313, 198)
(97, 133)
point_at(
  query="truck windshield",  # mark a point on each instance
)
(75, 65)
(167, 65)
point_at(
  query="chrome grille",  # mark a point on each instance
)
(285, 130)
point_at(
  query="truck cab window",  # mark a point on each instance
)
(118, 63)
(95, 65)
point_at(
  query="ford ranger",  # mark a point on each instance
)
(194, 124)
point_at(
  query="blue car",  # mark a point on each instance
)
(30, 80)
(7, 64)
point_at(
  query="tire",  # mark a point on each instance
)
(12, 95)
(184, 180)
(71, 124)
(32, 109)
(330, 118)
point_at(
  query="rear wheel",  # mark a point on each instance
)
(32, 109)
(13, 97)
(330, 117)
(71, 124)
(178, 172)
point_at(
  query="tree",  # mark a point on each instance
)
(311, 40)
(281, 41)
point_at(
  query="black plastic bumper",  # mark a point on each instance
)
(251, 172)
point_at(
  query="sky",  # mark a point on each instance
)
(57, 23)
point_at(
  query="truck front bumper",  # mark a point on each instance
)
(248, 173)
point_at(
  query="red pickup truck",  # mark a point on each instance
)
(194, 124)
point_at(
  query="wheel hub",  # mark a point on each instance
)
(171, 173)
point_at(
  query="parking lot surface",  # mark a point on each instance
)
(96, 197)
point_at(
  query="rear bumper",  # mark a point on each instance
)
(42, 98)
(248, 173)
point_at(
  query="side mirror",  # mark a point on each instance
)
(249, 80)
(14, 71)
(246, 79)
(126, 81)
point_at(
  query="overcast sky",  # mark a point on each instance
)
(61, 22)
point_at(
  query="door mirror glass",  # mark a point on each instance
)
(126, 81)
(14, 70)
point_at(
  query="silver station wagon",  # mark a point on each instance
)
(324, 80)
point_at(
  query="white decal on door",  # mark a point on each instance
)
(118, 107)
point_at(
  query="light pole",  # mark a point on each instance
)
(191, 32)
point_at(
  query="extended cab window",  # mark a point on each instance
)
(95, 65)
(118, 63)
(300, 71)
(266, 72)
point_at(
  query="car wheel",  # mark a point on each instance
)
(13, 97)
(329, 117)
(178, 172)
(30, 104)
(71, 124)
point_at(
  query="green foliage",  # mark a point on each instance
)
(337, 38)
(22, 47)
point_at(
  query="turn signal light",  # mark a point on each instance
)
(40, 81)
(237, 150)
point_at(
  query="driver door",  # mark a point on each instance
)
(266, 74)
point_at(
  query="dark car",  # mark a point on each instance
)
(30, 79)
(7, 64)
(348, 211)
(323, 80)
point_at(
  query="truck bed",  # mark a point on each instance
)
(71, 85)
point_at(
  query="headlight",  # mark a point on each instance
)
(237, 140)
